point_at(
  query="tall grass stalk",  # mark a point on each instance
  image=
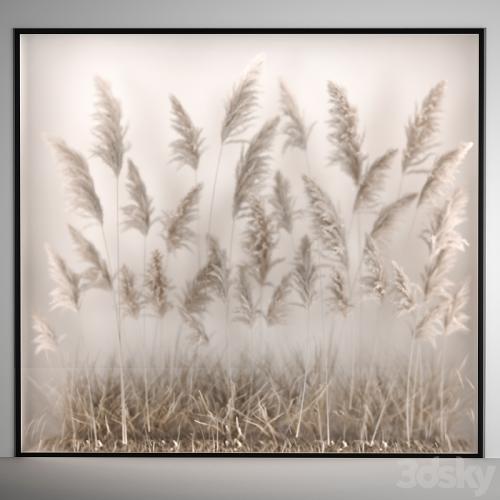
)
(306, 368)
(408, 395)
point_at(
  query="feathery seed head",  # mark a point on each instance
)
(96, 275)
(422, 129)
(295, 130)
(344, 136)
(253, 166)
(67, 291)
(177, 232)
(259, 240)
(157, 285)
(406, 292)
(372, 184)
(130, 296)
(109, 132)
(305, 273)
(373, 280)
(283, 203)
(47, 340)
(278, 306)
(389, 217)
(327, 224)
(138, 214)
(338, 299)
(187, 149)
(82, 195)
(241, 106)
(443, 174)
(246, 310)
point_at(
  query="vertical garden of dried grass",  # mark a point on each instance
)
(217, 370)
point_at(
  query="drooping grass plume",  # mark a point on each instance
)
(131, 297)
(187, 149)
(444, 242)
(195, 301)
(246, 309)
(344, 136)
(422, 129)
(177, 232)
(283, 204)
(239, 115)
(260, 240)
(97, 274)
(46, 340)
(253, 165)
(219, 270)
(110, 147)
(337, 290)
(138, 214)
(157, 285)
(442, 230)
(296, 132)
(277, 310)
(109, 131)
(305, 273)
(405, 292)
(67, 291)
(82, 196)
(241, 106)
(372, 184)
(442, 175)
(455, 319)
(431, 324)
(373, 280)
(327, 225)
(389, 217)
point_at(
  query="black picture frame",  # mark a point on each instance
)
(480, 32)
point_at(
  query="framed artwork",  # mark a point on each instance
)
(249, 242)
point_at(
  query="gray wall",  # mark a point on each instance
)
(255, 13)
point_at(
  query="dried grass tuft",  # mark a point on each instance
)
(389, 217)
(344, 136)
(138, 214)
(47, 340)
(109, 131)
(157, 286)
(296, 132)
(130, 295)
(305, 273)
(187, 149)
(67, 291)
(374, 279)
(283, 204)
(422, 129)
(177, 232)
(442, 175)
(253, 166)
(277, 310)
(82, 195)
(242, 104)
(260, 240)
(372, 185)
(97, 274)
(246, 310)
